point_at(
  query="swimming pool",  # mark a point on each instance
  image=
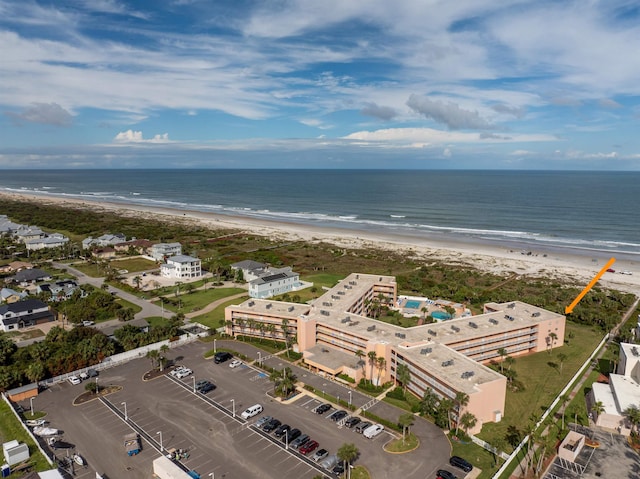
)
(411, 304)
(440, 315)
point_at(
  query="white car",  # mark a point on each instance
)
(183, 373)
(74, 380)
(177, 370)
(88, 323)
(626, 272)
(235, 363)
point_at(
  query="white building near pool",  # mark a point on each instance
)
(181, 267)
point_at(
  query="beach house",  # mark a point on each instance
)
(161, 251)
(181, 267)
(336, 335)
(22, 314)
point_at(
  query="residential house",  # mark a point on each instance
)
(58, 291)
(54, 240)
(107, 252)
(27, 233)
(8, 295)
(7, 227)
(104, 240)
(23, 314)
(141, 246)
(181, 267)
(30, 276)
(250, 269)
(161, 251)
(273, 282)
(14, 267)
(621, 392)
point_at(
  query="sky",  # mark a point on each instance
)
(487, 84)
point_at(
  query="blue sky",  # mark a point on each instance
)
(512, 84)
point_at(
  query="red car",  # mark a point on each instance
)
(611, 270)
(308, 447)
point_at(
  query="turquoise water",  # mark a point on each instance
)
(441, 315)
(412, 304)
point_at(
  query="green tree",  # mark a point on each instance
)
(372, 361)
(467, 421)
(153, 355)
(360, 355)
(403, 374)
(405, 421)
(429, 402)
(348, 453)
(633, 415)
(284, 382)
(503, 353)
(381, 363)
(35, 371)
(561, 359)
(461, 400)
(91, 386)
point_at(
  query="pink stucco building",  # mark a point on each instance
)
(336, 336)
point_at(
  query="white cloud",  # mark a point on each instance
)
(131, 136)
(46, 113)
(449, 114)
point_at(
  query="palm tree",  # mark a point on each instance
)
(372, 360)
(561, 359)
(633, 415)
(137, 280)
(563, 402)
(552, 338)
(403, 374)
(162, 359)
(502, 352)
(360, 354)
(429, 402)
(348, 453)
(405, 421)
(598, 408)
(153, 355)
(285, 332)
(271, 329)
(509, 361)
(461, 400)
(284, 382)
(381, 364)
(467, 421)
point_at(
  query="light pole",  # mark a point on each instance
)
(212, 475)
(194, 383)
(125, 410)
(97, 388)
(286, 440)
(233, 405)
(31, 403)
(259, 359)
(161, 447)
(214, 345)
(349, 392)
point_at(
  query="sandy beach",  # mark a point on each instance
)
(576, 266)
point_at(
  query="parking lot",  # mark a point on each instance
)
(172, 417)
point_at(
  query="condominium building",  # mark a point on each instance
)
(336, 335)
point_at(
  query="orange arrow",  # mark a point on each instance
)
(569, 309)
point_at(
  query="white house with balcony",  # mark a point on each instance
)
(54, 240)
(160, 251)
(181, 267)
(274, 282)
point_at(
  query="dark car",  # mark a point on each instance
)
(323, 408)
(301, 441)
(221, 357)
(360, 427)
(291, 435)
(271, 425)
(460, 463)
(336, 416)
(444, 474)
(205, 387)
(352, 421)
(308, 447)
(92, 373)
(281, 430)
(338, 469)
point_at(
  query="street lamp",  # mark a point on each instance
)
(161, 448)
(349, 392)
(214, 345)
(31, 402)
(194, 383)
(259, 358)
(233, 405)
(97, 388)
(125, 410)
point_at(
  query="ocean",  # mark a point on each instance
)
(593, 213)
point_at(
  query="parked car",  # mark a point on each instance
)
(74, 380)
(262, 421)
(235, 363)
(291, 435)
(352, 421)
(221, 357)
(373, 431)
(88, 323)
(320, 455)
(84, 375)
(178, 369)
(336, 416)
(361, 427)
(308, 447)
(271, 425)
(444, 474)
(338, 469)
(92, 373)
(322, 408)
(251, 411)
(204, 386)
(281, 430)
(300, 441)
(329, 462)
(460, 463)
(183, 373)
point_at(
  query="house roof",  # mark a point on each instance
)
(248, 265)
(22, 306)
(182, 258)
(34, 274)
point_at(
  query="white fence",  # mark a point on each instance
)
(121, 358)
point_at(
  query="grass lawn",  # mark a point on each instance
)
(11, 429)
(91, 270)
(543, 380)
(409, 444)
(359, 472)
(215, 319)
(157, 321)
(198, 299)
(133, 265)
(126, 304)
(478, 457)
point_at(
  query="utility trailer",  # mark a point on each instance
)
(132, 444)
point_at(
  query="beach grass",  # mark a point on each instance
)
(543, 379)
